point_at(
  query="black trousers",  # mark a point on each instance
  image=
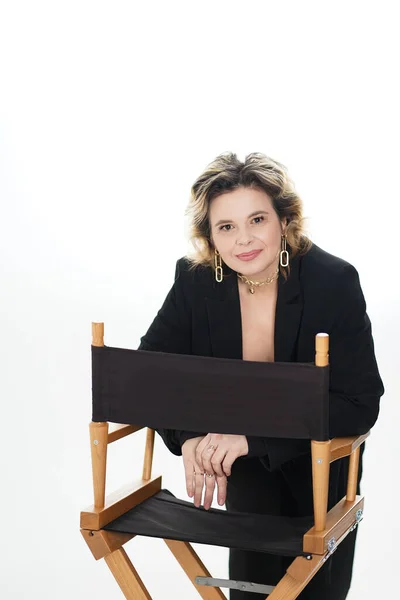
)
(287, 491)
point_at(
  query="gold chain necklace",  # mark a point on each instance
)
(254, 284)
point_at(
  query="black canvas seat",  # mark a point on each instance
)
(165, 516)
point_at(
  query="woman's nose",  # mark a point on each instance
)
(244, 238)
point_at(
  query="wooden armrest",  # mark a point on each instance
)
(344, 446)
(119, 502)
(342, 516)
(117, 431)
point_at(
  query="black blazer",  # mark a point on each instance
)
(322, 294)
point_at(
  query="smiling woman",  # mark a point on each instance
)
(256, 200)
(249, 244)
(247, 231)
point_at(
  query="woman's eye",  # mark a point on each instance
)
(222, 228)
(261, 219)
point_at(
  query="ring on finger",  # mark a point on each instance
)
(210, 474)
(212, 447)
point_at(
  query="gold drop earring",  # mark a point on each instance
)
(219, 274)
(284, 254)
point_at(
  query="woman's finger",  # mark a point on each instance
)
(200, 448)
(189, 464)
(198, 485)
(222, 484)
(217, 462)
(207, 457)
(209, 491)
(189, 477)
(228, 461)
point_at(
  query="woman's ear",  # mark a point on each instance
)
(284, 224)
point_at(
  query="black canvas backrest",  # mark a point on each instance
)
(197, 393)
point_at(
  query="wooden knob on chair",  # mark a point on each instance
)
(322, 349)
(97, 334)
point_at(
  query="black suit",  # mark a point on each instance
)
(322, 294)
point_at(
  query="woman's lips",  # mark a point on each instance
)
(248, 255)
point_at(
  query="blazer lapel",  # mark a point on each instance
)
(224, 318)
(225, 324)
(289, 310)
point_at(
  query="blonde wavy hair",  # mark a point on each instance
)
(225, 174)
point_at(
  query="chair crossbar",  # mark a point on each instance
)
(344, 446)
(243, 586)
(117, 431)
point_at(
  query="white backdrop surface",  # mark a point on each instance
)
(108, 112)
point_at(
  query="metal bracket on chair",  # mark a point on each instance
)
(243, 586)
(332, 546)
(359, 518)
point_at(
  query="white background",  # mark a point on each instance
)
(108, 112)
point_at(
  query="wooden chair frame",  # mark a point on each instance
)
(329, 529)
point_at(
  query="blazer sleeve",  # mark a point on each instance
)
(355, 386)
(170, 331)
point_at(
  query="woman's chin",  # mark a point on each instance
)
(256, 270)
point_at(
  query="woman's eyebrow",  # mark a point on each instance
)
(256, 212)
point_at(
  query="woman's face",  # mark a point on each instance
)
(246, 231)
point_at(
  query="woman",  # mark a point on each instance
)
(258, 289)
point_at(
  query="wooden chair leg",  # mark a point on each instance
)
(148, 454)
(320, 455)
(98, 447)
(353, 475)
(321, 451)
(193, 567)
(126, 576)
(300, 572)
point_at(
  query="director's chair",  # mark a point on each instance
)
(133, 389)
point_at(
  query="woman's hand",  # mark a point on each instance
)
(215, 455)
(196, 478)
(217, 452)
